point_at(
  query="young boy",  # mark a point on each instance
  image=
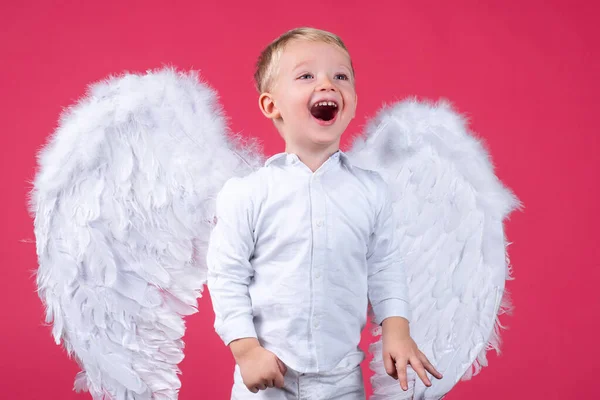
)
(303, 244)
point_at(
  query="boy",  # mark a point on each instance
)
(302, 244)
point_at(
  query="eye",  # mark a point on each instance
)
(305, 76)
(342, 77)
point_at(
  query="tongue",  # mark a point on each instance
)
(325, 113)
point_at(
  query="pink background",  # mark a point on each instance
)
(522, 71)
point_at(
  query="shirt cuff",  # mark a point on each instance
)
(391, 308)
(239, 327)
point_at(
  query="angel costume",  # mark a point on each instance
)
(125, 201)
(291, 261)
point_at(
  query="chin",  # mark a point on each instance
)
(325, 137)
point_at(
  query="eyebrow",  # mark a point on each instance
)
(346, 67)
(298, 66)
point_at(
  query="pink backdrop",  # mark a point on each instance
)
(522, 71)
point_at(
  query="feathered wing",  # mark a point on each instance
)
(449, 208)
(123, 205)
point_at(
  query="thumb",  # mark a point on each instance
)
(282, 367)
(389, 365)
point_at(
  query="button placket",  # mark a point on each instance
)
(319, 255)
(314, 257)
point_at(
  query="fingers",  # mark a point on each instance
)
(417, 366)
(431, 368)
(282, 366)
(401, 370)
(390, 368)
(420, 365)
(279, 381)
(256, 388)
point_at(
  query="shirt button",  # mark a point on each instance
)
(318, 275)
(316, 324)
(319, 223)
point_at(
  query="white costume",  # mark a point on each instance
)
(341, 383)
(293, 255)
(124, 204)
(294, 260)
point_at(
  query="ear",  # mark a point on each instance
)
(267, 105)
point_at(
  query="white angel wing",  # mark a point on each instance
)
(123, 206)
(449, 209)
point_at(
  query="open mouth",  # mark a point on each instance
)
(324, 110)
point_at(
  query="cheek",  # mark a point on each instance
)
(296, 105)
(351, 105)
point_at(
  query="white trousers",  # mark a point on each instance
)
(342, 383)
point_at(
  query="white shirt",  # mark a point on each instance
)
(295, 257)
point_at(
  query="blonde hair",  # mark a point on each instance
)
(268, 60)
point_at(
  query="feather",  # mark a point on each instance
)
(121, 202)
(123, 205)
(449, 209)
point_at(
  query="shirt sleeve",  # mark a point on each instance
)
(230, 247)
(387, 287)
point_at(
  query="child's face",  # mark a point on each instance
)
(313, 98)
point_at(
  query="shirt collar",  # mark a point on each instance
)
(291, 158)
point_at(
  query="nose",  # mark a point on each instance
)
(325, 84)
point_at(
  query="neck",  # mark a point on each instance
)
(313, 158)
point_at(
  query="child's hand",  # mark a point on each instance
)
(399, 350)
(261, 369)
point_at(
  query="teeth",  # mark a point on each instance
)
(326, 103)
